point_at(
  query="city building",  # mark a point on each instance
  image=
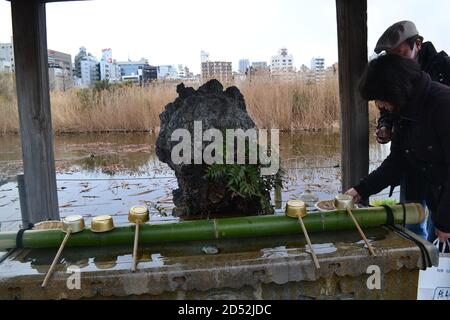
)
(60, 70)
(77, 66)
(184, 72)
(240, 78)
(61, 59)
(243, 65)
(59, 79)
(167, 72)
(6, 66)
(204, 56)
(7, 57)
(283, 62)
(87, 69)
(260, 65)
(219, 70)
(107, 55)
(258, 71)
(317, 64)
(109, 69)
(318, 69)
(138, 71)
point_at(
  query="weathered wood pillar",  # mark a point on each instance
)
(352, 42)
(30, 50)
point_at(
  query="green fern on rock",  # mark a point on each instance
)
(246, 181)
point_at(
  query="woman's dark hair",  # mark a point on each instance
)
(390, 78)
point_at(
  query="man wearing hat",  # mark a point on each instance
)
(404, 39)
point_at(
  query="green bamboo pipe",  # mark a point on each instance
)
(244, 227)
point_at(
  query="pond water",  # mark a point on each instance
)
(108, 173)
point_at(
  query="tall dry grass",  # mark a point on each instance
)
(293, 105)
(282, 105)
(9, 118)
(121, 109)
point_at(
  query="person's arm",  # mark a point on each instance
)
(388, 174)
(442, 120)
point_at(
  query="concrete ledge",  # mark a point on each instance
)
(263, 268)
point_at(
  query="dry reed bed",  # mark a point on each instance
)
(281, 105)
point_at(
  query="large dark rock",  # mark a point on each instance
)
(218, 109)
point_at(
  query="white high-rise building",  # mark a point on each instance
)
(184, 72)
(89, 72)
(204, 56)
(318, 69)
(283, 62)
(244, 64)
(107, 55)
(7, 57)
(86, 68)
(109, 69)
(167, 72)
(317, 64)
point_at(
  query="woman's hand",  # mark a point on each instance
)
(442, 236)
(356, 196)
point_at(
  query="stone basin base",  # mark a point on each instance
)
(258, 268)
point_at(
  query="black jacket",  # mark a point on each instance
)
(437, 65)
(421, 142)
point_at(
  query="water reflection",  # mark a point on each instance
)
(90, 259)
(108, 173)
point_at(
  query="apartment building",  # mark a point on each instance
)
(283, 62)
(219, 70)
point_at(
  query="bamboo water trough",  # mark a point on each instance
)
(245, 227)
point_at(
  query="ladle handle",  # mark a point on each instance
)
(316, 261)
(350, 213)
(135, 248)
(55, 261)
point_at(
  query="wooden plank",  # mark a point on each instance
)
(352, 43)
(30, 50)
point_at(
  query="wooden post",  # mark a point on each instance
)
(30, 50)
(352, 43)
(23, 201)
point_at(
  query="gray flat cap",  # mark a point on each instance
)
(395, 35)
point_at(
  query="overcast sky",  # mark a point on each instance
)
(174, 31)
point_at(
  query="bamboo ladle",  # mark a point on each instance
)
(70, 225)
(345, 202)
(137, 215)
(297, 209)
